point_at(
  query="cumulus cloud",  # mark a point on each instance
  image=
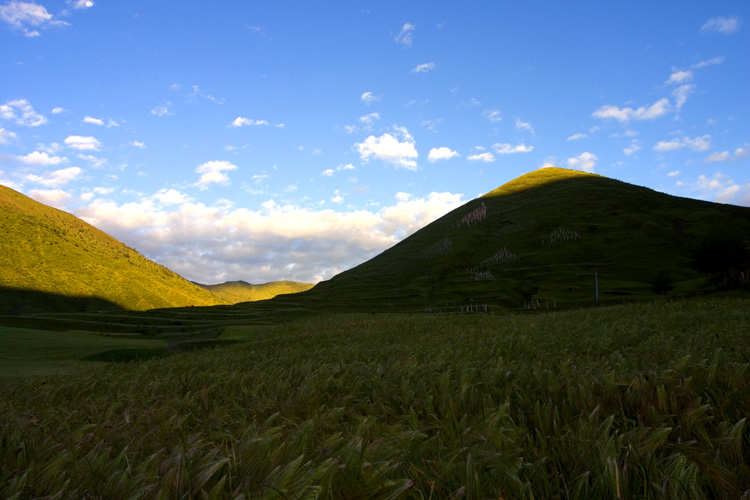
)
(55, 178)
(633, 148)
(695, 143)
(40, 159)
(722, 189)
(424, 68)
(404, 36)
(368, 97)
(20, 112)
(212, 244)
(679, 77)
(577, 136)
(509, 149)
(441, 153)
(244, 122)
(81, 4)
(728, 156)
(53, 197)
(93, 121)
(6, 136)
(585, 161)
(27, 17)
(170, 197)
(214, 172)
(486, 157)
(137, 144)
(657, 109)
(82, 143)
(390, 149)
(719, 24)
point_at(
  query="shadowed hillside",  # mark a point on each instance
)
(46, 253)
(548, 239)
(233, 292)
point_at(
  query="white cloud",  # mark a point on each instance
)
(577, 136)
(21, 112)
(327, 172)
(212, 244)
(81, 143)
(213, 172)
(404, 36)
(93, 160)
(52, 197)
(389, 149)
(523, 125)
(58, 110)
(81, 4)
(111, 123)
(368, 97)
(674, 173)
(56, 178)
(633, 148)
(163, 110)
(171, 197)
(93, 121)
(137, 144)
(424, 68)
(244, 122)
(6, 136)
(441, 153)
(720, 24)
(492, 115)
(40, 159)
(727, 156)
(657, 109)
(585, 161)
(695, 143)
(26, 16)
(722, 189)
(509, 149)
(337, 197)
(708, 62)
(486, 157)
(679, 77)
(680, 94)
(368, 120)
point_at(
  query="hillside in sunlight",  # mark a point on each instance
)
(553, 238)
(233, 292)
(51, 260)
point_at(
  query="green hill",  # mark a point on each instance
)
(233, 292)
(51, 260)
(547, 239)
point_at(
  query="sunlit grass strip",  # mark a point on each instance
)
(634, 401)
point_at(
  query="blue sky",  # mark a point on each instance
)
(294, 140)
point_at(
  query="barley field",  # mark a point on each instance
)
(644, 400)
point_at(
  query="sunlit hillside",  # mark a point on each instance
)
(233, 292)
(51, 260)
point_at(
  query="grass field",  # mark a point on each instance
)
(644, 400)
(26, 352)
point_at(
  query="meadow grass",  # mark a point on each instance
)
(635, 401)
(25, 351)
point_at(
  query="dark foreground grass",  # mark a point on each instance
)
(636, 401)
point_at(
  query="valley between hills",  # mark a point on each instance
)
(565, 335)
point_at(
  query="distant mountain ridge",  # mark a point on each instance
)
(233, 292)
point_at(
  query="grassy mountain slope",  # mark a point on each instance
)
(542, 240)
(233, 292)
(48, 256)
